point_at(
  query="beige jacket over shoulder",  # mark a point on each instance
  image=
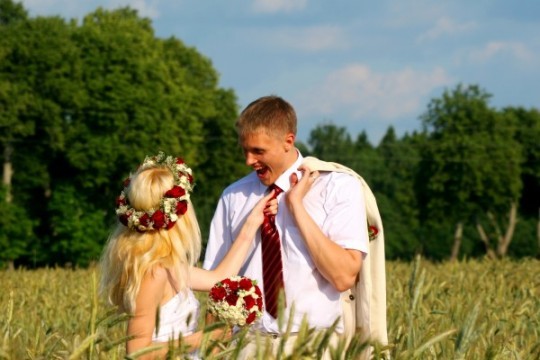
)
(365, 304)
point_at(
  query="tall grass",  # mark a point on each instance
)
(476, 309)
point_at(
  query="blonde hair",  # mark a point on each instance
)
(129, 255)
(269, 114)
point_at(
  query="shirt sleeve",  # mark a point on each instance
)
(346, 223)
(219, 239)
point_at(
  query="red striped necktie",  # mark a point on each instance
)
(271, 260)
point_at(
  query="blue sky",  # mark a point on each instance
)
(364, 65)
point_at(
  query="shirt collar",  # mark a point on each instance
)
(283, 181)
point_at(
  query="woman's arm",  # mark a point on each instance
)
(203, 280)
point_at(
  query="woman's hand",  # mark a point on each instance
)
(265, 207)
(299, 188)
(236, 255)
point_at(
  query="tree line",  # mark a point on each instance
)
(83, 102)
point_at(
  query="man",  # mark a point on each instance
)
(322, 232)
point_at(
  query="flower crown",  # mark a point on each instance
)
(172, 204)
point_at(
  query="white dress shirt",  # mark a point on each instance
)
(335, 202)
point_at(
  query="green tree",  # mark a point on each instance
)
(16, 229)
(218, 160)
(142, 95)
(11, 12)
(84, 104)
(470, 167)
(330, 142)
(366, 160)
(77, 226)
(31, 79)
(396, 192)
(132, 104)
(528, 136)
(48, 65)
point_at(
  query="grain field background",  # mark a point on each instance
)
(477, 309)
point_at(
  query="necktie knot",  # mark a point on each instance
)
(277, 189)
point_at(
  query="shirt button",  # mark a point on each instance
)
(351, 297)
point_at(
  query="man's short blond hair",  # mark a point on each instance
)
(269, 114)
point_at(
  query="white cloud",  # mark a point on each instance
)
(275, 6)
(445, 26)
(308, 39)
(492, 49)
(359, 91)
(404, 14)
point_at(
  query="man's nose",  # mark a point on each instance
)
(250, 159)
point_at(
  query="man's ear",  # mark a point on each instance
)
(289, 141)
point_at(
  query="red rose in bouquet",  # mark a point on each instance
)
(236, 300)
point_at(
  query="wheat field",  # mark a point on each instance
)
(475, 309)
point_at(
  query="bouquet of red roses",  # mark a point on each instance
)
(236, 300)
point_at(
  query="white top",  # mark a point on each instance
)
(336, 204)
(179, 316)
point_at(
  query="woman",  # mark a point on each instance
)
(148, 264)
